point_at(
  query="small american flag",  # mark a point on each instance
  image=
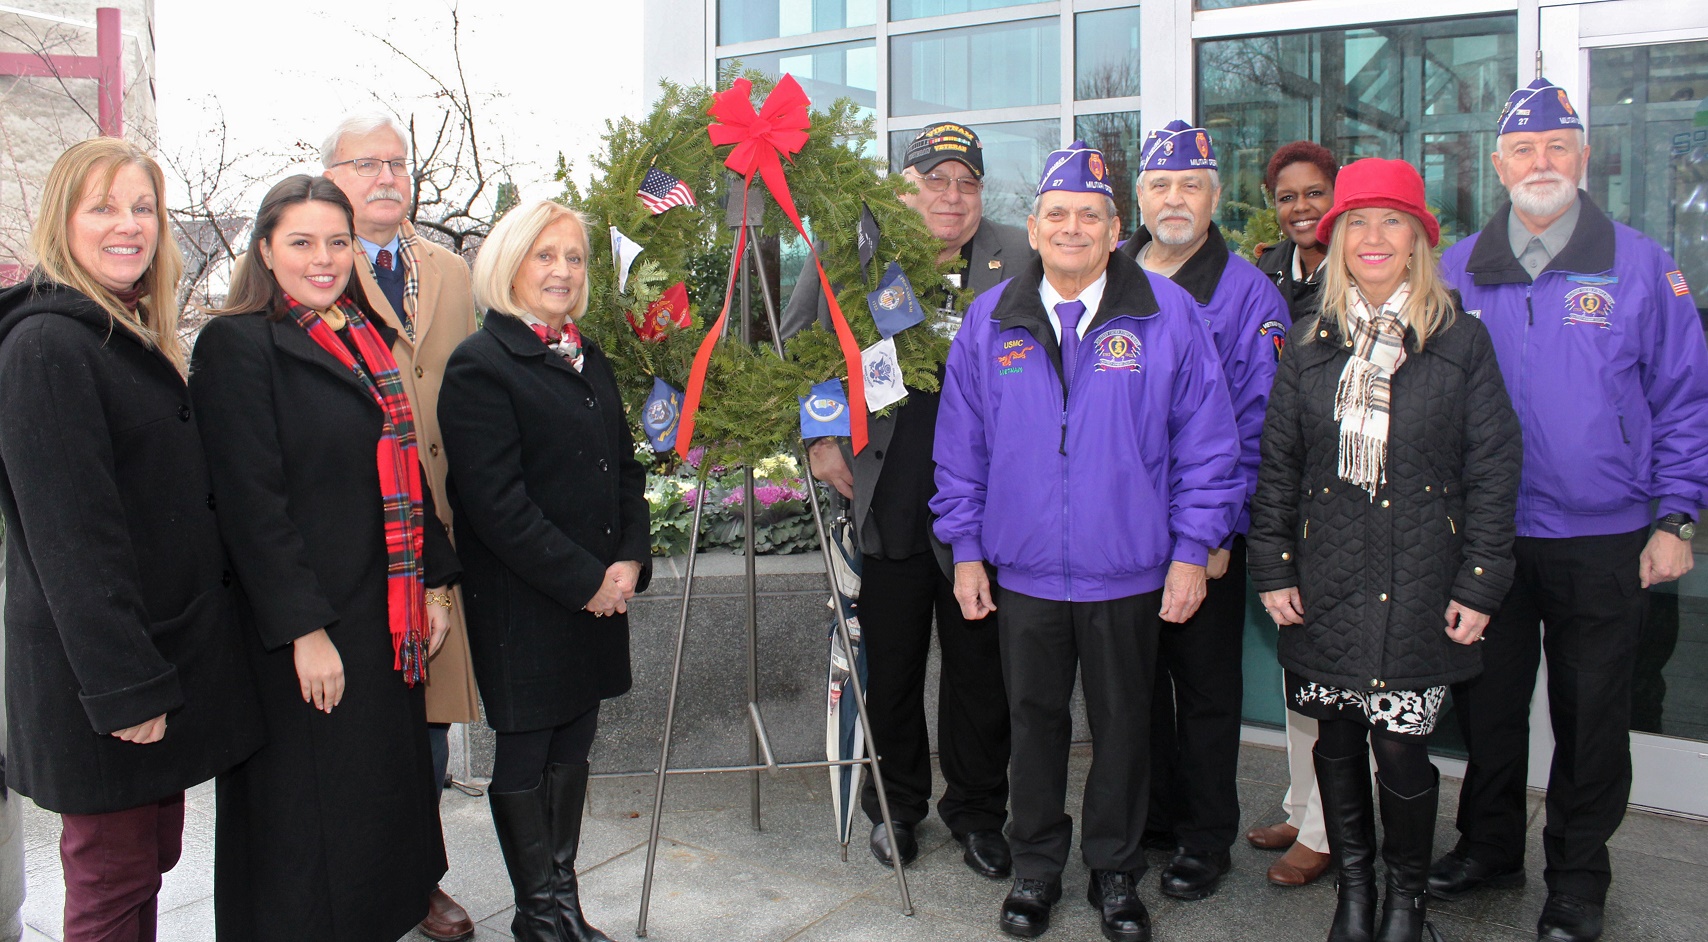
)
(660, 191)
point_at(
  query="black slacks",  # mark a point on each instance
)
(1113, 645)
(1195, 717)
(898, 601)
(1586, 592)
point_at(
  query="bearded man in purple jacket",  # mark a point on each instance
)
(1603, 352)
(1086, 452)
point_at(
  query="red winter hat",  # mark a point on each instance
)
(1389, 184)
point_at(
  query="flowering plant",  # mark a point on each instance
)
(782, 521)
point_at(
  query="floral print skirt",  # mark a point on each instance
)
(1396, 714)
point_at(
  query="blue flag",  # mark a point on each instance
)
(661, 415)
(825, 411)
(894, 308)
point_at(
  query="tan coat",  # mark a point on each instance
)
(445, 316)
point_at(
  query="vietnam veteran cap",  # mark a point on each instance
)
(1178, 146)
(1079, 168)
(946, 141)
(1539, 106)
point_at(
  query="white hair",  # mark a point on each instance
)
(366, 123)
(1038, 204)
(1215, 178)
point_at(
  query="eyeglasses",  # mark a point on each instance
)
(937, 183)
(370, 166)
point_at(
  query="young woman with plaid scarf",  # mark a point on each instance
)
(331, 830)
(1382, 529)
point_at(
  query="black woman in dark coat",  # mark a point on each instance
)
(330, 831)
(551, 521)
(1382, 529)
(125, 683)
(1300, 179)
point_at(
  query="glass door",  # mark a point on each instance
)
(1647, 109)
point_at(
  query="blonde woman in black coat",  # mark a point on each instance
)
(331, 831)
(551, 523)
(1382, 529)
(125, 683)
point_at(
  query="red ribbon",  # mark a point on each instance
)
(762, 139)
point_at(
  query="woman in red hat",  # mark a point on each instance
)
(1382, 529)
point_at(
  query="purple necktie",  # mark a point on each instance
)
(1068, 313)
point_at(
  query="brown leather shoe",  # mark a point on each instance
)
(1274, 837)
(446, 921)
(1298, 866)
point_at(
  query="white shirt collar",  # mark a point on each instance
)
(373, 249)
(1091, 297)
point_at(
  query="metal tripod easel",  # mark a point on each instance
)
(760, 755)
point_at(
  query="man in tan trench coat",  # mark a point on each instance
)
(422, 291)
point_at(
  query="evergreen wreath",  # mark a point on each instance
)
(750, 408)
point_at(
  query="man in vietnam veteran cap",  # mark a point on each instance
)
(1603, 352)
(1195, 713)
(1086, 452)
(905, 581)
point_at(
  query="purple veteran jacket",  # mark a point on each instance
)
(1605, 359)
(1248, 321)
(1086, 494)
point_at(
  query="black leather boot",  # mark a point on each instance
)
(524, 836)
(1349, 816)
(1408, 842)
(568, 787)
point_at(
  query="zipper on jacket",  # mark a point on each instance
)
(1307, 534)
(1622, 433)
(1530, 306)
(1522, 403)
(1451, 525)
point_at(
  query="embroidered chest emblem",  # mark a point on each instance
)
(1589, 304)
(1016, 350)
(1118, 350)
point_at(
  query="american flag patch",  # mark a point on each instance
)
(1676, 279)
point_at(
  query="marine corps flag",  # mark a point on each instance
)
(670, 308)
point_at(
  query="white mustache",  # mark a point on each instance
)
(1547, 176)
(385, 193)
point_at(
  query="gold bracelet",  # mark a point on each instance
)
(441, 599)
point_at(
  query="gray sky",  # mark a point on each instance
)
(545, 75)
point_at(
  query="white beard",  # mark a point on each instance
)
(1535, 199)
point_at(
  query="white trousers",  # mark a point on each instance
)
(1303, 801)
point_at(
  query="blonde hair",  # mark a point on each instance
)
(502, 253)
(96, 162)
(1429, 309)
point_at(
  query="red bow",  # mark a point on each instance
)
(777, 130)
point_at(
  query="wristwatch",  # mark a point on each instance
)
(1677, 524)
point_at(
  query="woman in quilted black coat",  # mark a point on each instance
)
(1382, 529)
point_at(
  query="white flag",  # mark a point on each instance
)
(883, 374)
(623, 252)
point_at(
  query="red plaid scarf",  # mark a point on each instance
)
(400, 479)
(566, 343)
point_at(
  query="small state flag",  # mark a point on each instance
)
(894, 306)
(661, 191)
(623, 253)
(867, 238)
(882, 369)
(670, 308)
(661, 415)
(824, 411)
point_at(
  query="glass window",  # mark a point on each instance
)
(1119, 137)
(914, 9)
(742, 21)
(1014, 153)
(826, 73)
(1106, 54)
(1001, 65)
(1429, 93)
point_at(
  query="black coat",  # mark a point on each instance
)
(119, 605)
(546, 494)
(331, 831)
(1376, 575)
(1302, 296)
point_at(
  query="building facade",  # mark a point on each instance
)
(1424, 82)
(55, 90)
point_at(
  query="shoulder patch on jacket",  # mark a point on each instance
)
(1676, 280)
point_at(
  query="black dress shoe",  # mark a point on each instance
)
(986, 854)
(1157, 840)
(1455, 874)
(904, 839)
(1116, 900)
(1026, 911)
(1194, 875)
(1568, 918)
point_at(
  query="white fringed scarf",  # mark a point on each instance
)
(1362, 400)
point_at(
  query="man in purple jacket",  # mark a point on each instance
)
(1603, 352)
(1086, 449)
(1196, 704)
